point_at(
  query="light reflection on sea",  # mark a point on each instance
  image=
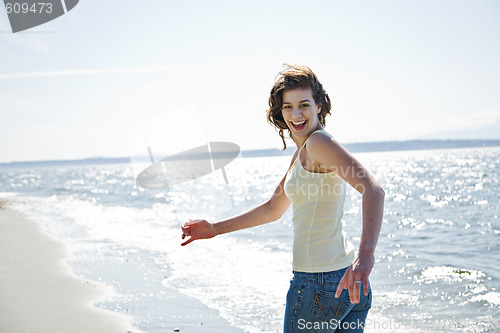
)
(437, 259)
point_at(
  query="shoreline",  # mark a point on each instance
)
(39, 291)
(353, 147)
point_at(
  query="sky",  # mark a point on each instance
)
(110, 78)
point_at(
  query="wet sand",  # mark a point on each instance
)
(39, 293)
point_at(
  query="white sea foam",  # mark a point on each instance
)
(433, 262)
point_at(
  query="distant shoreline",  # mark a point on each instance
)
(360, 147)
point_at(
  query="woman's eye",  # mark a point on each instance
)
(286, 107)
(305, 105)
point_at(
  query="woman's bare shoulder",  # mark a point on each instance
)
(322, 143)
(320, 139)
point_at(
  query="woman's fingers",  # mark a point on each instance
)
(366, 285)
(190, 222)
(197, 229)
(186, 233)
(352, 282)
(356, 291)
(190, 239)
(343, 284)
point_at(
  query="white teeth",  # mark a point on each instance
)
(299, 123)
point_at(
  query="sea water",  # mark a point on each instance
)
(437, 259)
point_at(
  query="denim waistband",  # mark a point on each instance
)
(320, 276)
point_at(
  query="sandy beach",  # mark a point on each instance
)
(39, 292)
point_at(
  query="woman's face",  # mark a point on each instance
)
(300, 112)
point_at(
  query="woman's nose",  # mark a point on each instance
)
(297, 112)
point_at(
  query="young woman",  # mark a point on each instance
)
(330, 290)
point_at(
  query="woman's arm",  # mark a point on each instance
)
(269, 211)
(332, 156)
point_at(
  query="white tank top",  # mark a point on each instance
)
(319, 244)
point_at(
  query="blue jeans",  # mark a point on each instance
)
(311, 305)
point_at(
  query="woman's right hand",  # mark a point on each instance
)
(197, 229)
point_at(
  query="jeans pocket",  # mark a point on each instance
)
(365, 302)
(293, 296)
(329, 308)
(369, 300)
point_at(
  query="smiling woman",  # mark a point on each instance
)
(325, 264)
(300, 85)
(299, 110)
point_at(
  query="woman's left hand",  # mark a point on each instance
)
(356, 275)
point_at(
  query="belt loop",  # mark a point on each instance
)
(320, 277)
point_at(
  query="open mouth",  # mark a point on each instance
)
(298, 125)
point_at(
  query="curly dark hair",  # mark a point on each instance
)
(293, 77)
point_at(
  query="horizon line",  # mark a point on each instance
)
(278, 151)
